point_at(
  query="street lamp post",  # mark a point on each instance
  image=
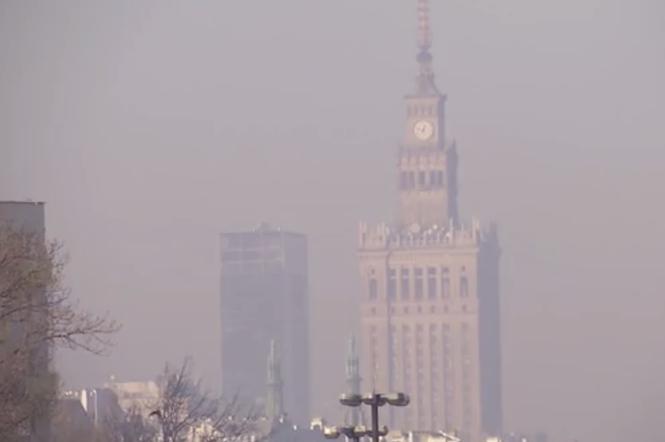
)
(375, 400)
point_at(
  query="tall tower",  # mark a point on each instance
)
(430, 299)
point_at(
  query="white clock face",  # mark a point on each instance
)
(423, 130)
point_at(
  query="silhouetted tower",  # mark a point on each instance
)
(275, 397)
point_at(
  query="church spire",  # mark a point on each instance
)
(425, 80)
(275, 399)
(353, 367)
(353, 380)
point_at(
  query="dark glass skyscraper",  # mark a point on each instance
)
(264, 297)
(27, 217)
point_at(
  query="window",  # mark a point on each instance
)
(404, 284)
(419, 283)
(373, 290)
(439, 179)
(421, 179)
(464, 287)
(403, 181)
(445, 283)
(433, 181)
(392, 284)
(431, 282)
(412, 180)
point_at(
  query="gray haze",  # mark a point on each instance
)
(149, 127)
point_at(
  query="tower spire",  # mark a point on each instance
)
(424, 32)
(353, 367)
(425, 80)
(275, 399)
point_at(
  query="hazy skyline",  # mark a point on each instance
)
(150, 127)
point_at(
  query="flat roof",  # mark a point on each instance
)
(34, 203)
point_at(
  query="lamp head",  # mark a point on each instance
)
(351, 400)
(397, 399)
(354, 432)
(331, 432)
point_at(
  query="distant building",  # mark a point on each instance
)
(28, 217)
(263, 298)
(25, 215)
(430, 299)
(100, 404)
(142, 397)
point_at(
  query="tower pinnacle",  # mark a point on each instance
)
(424, 32)
(425, 80)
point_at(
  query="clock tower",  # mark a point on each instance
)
(427, 163)
(429, 299)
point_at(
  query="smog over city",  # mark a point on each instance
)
(218, 217)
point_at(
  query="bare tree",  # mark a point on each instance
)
(135, 428)
(186, 407)
(70, 423)
(36, 314)
(127, 426)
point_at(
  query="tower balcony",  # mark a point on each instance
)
(383, 236)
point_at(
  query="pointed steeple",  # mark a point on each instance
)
(425, 79)
(353, 380)
(353, 367)
(275, 397)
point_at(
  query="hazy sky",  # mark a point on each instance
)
(150, 126)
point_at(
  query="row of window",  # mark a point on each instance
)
(435, 179)
(432, 284)
(422, 110)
